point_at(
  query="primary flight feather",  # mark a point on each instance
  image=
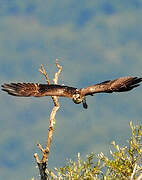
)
(78, 95)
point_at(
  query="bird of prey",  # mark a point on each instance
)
(121, 84)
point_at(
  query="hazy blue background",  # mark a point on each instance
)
(94, 41)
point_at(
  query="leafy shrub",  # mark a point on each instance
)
(125, 163)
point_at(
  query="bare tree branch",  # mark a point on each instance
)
(42, 70)
(134, 171)
(45, 152)
(139, 177)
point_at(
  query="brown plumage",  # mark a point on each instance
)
(38, 90)
(118, 85)
(78, 95)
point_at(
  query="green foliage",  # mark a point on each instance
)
(81, 170)
(124, 163)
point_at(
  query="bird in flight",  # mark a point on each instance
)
(78, 96)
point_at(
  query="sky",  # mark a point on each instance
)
(94, 41)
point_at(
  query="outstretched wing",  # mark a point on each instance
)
(38, 90)
(118, 85)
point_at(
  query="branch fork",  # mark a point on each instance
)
(45, 151)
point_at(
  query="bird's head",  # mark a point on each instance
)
(77, 99)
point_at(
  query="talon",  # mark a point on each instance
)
(84, 103)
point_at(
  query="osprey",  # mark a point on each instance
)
(77, 95)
